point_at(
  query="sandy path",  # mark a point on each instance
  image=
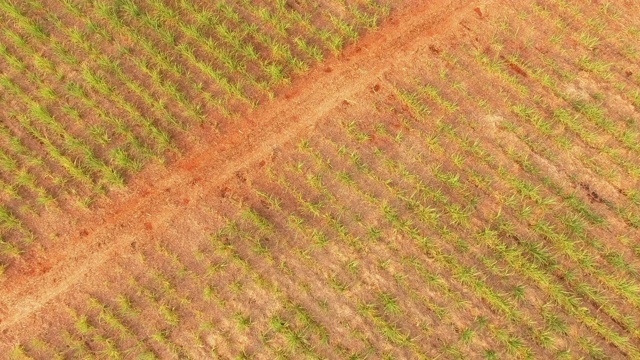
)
(154, 192)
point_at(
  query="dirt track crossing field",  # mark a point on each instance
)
(456, 184)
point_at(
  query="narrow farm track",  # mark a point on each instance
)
(128, 219)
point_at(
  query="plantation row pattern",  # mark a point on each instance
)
(478, 200)
(95, 90)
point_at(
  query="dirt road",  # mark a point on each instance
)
(81, 254)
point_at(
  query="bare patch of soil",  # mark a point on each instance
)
(82, 245)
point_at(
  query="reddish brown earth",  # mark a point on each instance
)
(179, 205)
(84, 244)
